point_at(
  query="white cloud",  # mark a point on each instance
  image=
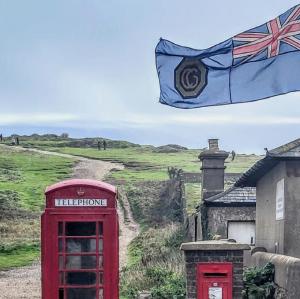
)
(132, 120)
(221, 119)
(38, 118)
(240, 120)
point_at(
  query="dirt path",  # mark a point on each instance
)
(129, 230)
(25, 282)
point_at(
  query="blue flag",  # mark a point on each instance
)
(256, 64)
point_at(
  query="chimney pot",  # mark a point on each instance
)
(213, 144)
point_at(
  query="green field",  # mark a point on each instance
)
(144, 164)
(23, 179)
(29, 173)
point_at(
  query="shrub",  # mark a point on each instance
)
(167, 284)
(259, 282)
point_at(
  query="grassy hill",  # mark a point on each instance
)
(63, 140)
(23, 179)
(141, 162)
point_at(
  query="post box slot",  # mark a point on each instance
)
(215, 274)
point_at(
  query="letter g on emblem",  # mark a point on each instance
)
(190, 77)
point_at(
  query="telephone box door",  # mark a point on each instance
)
(81, 257)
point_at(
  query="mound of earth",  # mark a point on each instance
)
(65, 141)
(169, 148)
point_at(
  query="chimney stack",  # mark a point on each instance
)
(213, 144)
(213, 168)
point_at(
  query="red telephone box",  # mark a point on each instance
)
(214, 280)
(80, 248)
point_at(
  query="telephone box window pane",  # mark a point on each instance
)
(60, 228)
(81, 245)
(61, 278)
(100, 245)
(100, 261)
(61, 293)
(81, 278)
(100, 229)
(101, 296)
(81, 262)
(60, 245)
(101, 277)
(61, 262)
(81, 293)
(80, 229)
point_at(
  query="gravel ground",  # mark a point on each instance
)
(25, 282)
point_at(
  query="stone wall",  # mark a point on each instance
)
(287, 273)
(218, 218)
(196, 177)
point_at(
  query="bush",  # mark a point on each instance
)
(167, 284)
(259, 282)
(155, 264)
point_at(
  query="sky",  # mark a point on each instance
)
(87, 67)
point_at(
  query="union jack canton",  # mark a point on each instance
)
(278, 36)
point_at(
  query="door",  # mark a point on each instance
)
(242, 231)
(80, 258)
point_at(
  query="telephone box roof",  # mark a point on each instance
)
(81, 182)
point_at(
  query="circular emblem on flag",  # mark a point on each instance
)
(190, 77)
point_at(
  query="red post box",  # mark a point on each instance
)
(79, 240)
(214, 280)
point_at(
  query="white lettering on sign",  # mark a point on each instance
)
(81, 202)
(215, 293)
(280, 200)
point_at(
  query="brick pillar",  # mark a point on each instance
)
(214, 251)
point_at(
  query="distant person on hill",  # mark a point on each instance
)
(99, 145)
(104, 145)
(18, 141)
(13, 141)
(233, 154)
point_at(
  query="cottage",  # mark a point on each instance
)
(229, 214)
(277, 181)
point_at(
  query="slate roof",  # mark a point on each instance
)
(234, 196)
(289, 151)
